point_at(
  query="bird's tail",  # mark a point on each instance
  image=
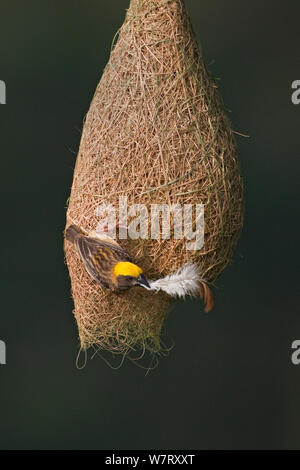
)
(72, 233)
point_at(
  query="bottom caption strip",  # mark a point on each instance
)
(146, 458)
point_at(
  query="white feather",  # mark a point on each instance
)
(185, 281)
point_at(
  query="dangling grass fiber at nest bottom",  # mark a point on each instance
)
(156, 132)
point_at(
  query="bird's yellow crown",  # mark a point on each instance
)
(125, 268)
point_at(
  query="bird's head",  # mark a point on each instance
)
(128, 275)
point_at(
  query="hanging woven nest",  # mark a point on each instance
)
(156, 132)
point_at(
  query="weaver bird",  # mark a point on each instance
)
(105, 260)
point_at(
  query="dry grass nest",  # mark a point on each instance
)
(156, 132)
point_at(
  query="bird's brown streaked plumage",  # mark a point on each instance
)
(99, 257)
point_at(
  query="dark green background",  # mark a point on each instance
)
(229, 381)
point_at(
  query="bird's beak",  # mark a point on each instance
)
(142, 281)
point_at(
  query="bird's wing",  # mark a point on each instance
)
(99, 257)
